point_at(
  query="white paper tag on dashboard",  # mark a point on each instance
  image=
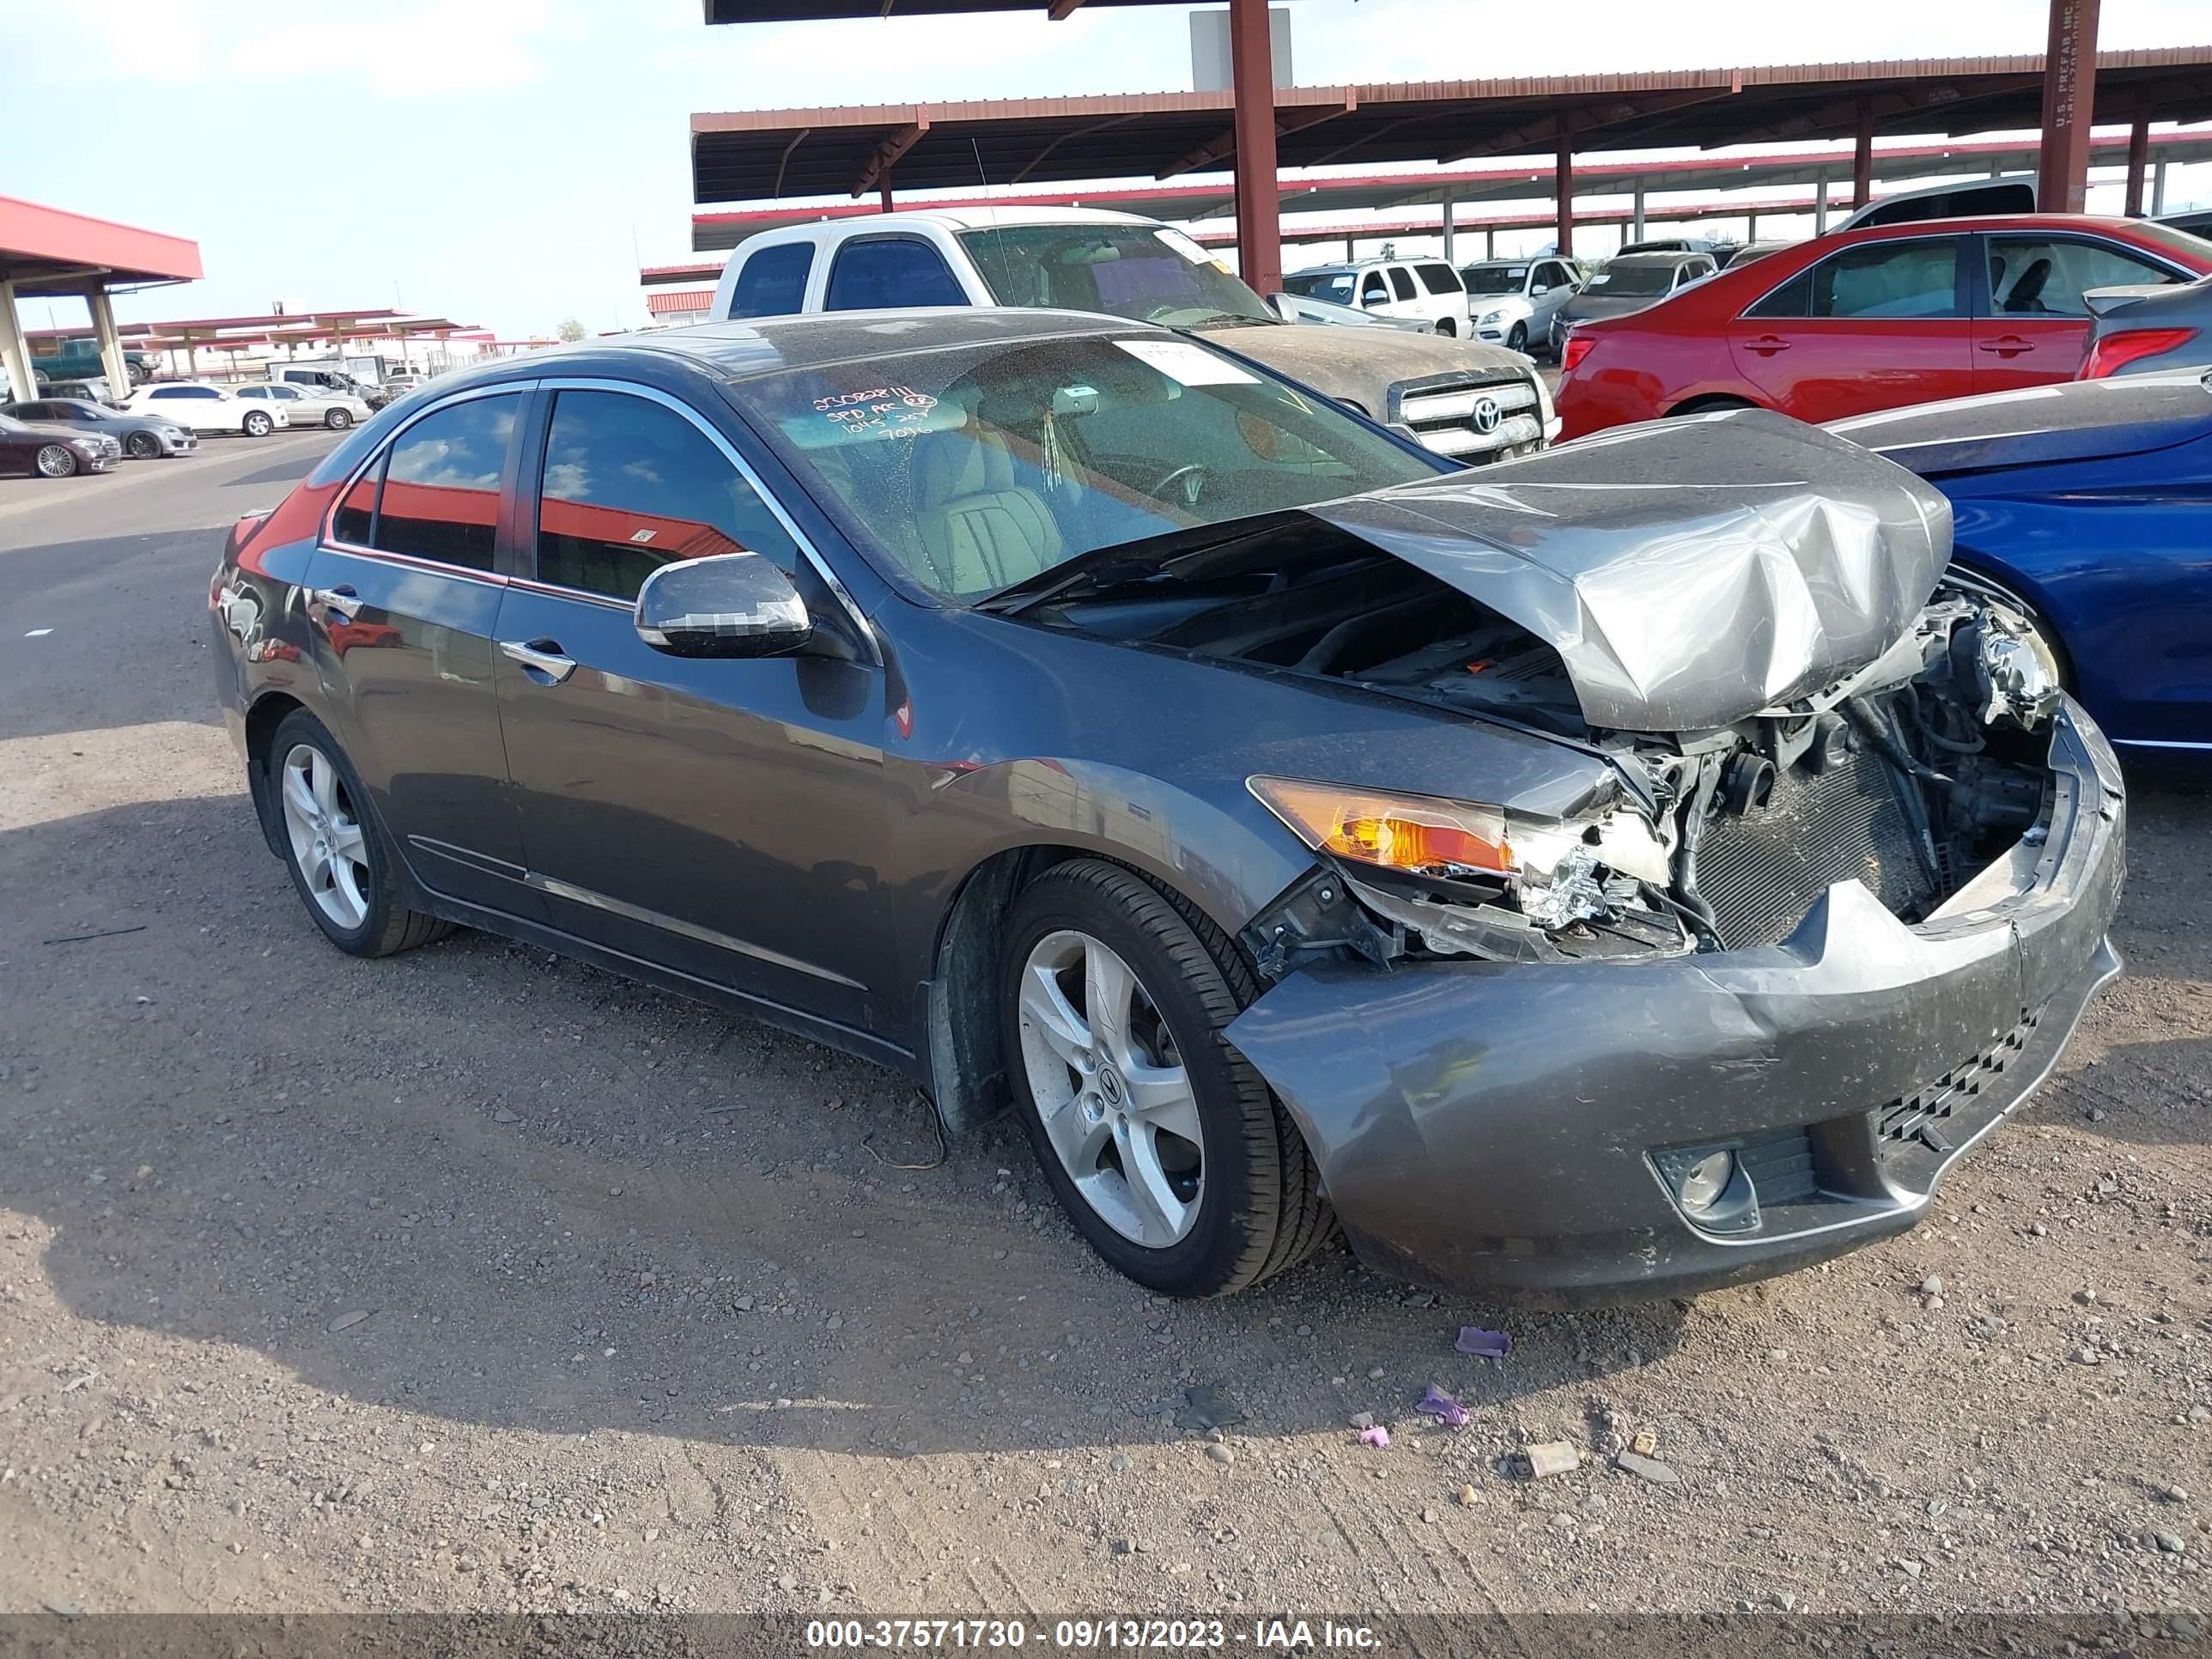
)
(1187, 364)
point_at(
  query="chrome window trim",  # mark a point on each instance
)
(1743, 313)
(325, 539)
(806, 548)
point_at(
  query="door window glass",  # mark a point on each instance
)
(1402, 279)
(773, 282)
(2046, 276)
(880, 273)
(631, 485)
(356, 512)
(1880, 279)
(1439, 279)
(1371, 291)
(441, 497)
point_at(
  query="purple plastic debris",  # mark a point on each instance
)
(1378, 1436)
(1484, 1345)
(1441, 1406)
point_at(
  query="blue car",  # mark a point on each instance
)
(2088, 504)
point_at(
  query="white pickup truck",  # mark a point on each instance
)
(1474, 403)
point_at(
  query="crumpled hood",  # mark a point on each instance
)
(1690, 572)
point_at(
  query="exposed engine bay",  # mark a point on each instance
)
(1910, 774)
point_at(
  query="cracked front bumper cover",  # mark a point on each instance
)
(1505, 1124)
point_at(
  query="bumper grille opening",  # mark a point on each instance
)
(1922, 1116)
(1763, 870)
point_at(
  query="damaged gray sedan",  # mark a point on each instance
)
(1634, 868)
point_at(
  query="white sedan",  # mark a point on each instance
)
(309, 405)
(206, 408)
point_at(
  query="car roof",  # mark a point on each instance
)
(1986, 221)
(986, 218)
(768, 345)
(2065, 421)
(1659, 257)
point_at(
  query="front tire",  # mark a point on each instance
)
(56, 461)
(141, 445)
(337, 419)
(341, 862)
(1161, 1142)
(257, 424)
(1516, 337)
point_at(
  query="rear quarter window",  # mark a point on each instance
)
(772, 283)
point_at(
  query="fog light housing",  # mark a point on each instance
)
(1702, 1184)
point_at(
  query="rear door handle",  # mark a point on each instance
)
(542, 656)
(1766, 345)
(2007, 345)
(338, 603)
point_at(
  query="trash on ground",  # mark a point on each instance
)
(1207, 1407)
(103, 932)
(1442, 1407)
(1363, 1419)
(346, 1321)
(1645, 1443)
(1651, 1468)
(1548, 1457)
(1484, 1345)
(1376, 1436)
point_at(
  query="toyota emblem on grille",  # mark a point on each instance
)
(1486, 414)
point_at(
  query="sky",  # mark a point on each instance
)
(510, 163)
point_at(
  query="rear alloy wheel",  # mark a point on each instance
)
(337, 419)
(57, 461)
(141, 445)
(257, 424)
(338, 858)
(1164, 1145)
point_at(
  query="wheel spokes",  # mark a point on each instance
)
(1162, 1097)
(1107, 988)
(348, 843)
(298, 795)
(1161, 1216)
(324, 780)
(1045, 1011)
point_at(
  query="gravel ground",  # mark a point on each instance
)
(476, 1280)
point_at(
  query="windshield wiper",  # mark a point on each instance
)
(1123, 562)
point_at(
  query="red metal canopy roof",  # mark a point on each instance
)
(45, 250)
(767, 154)
(792, 11)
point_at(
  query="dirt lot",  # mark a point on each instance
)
(477, 1279)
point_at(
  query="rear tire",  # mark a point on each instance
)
(1708, 405)
(257, 424)
(1448, 328)
(56, 461)
(337, 419)
(341, 861)
(1185, 1216)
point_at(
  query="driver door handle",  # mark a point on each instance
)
(542, 655)
(1766, 344)
(338, 603)
(2008, 345)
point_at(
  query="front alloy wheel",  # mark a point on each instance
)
(57, 461)
(141, 445)
(337, 419)
(258, 425)
(1161, 1142)
(1111, 1089)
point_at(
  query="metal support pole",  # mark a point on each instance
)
(1636, 220)
(2138, 165)
(884, 192)
(1862, 158)
(111, 344)
(1820, 202)
(1258, 201)
(1563, 176)
(1751, 227)
(2069, 97)
(1447, 232)
(1489, 243)
(1350, 257)
(2158, 191)
(14, 353)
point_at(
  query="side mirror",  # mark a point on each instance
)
(1276, 303)
(732, 605)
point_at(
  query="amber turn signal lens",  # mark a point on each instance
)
(1396, 832)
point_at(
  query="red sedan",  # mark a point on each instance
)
(1868, 320)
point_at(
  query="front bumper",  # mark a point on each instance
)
(1506, 1124)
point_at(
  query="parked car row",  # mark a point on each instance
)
(143, 436)
(46, 450)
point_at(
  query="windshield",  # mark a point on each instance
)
(1337, 287)
(975, 467)
(1632, 281)
(1495, 279)
(1144, 272)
